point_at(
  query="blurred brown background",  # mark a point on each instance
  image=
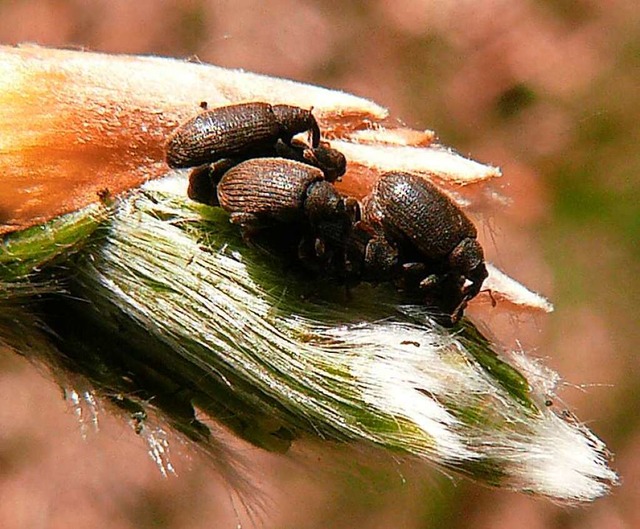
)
(549, 90)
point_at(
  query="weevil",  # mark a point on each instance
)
(264, 193)
(204, 179)
(242, 131)
(262, 190)
(437, 246)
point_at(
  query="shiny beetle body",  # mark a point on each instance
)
(436, 242)
(237, 131)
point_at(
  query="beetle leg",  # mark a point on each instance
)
(415, 274)
(203, 181)
(429, 283)
(458, 311)
(201, 188)
(319, 248)
(243, 219)
(380, 258)
(313, 253)
(443, 293)
(494, 303)
(315, 132)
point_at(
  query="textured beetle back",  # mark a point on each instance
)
(223, 132)
(411, 208)
(269, 187)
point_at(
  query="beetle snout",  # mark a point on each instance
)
(293, 120)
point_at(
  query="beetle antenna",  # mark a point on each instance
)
(315, 130)
(315, 134)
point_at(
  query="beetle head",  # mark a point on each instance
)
(323, 202)
(330, 161)
(468, 259)
(293, 120)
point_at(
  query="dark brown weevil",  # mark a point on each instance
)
(237, 131)
(204, 179)
(438, 251)
(263, 190)
(266, 193)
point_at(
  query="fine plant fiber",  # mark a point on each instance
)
(164, 309)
